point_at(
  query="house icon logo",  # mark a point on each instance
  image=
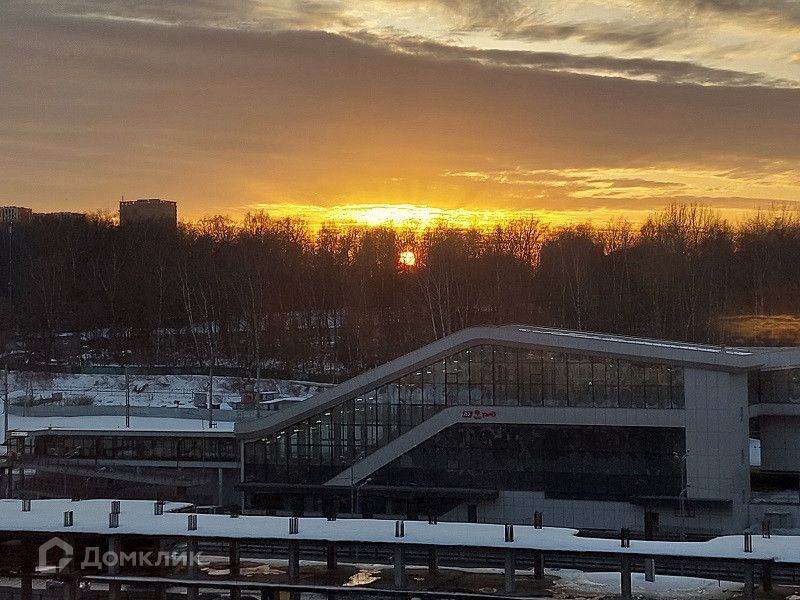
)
(56, 543)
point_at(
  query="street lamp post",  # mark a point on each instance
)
(352, 462)
(358, 492)
(684, 491)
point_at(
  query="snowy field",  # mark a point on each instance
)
(146, 390)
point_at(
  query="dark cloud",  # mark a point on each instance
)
(780, 13)
(91, 109)
(665, 71)
(515, 19)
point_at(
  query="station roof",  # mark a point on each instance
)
(686, 354)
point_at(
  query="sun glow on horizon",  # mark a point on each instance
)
(420, 217)
(407, 258)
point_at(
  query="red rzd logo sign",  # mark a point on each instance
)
(478, 414)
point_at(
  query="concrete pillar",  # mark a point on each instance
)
(538, 565)
(192, 568)
(649, 569)
(625, 577)
(70, 585)
(71, 589)
(399, 567)
(433, 561)
(114, 589)
(510, 572)
(766, 577)
(26, 587)
(234, 565)
(332, 560)
(234, 562)
(294, 562)
(26, 579)
(749, 588)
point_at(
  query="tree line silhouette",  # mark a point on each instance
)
(280, 294)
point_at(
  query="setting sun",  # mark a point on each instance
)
(408, 258)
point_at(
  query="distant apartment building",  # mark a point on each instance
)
(148, 211)
(13, 214)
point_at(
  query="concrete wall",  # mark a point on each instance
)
(780, 443)
(784, 518)
(518, 507)
(717, 440)
(52, 410)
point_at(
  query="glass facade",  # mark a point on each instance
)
(137, 448)
(562, 461)
(774, 387)
(318, 448)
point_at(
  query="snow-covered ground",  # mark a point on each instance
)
(571, 583)
(91, 517)
(146, 390)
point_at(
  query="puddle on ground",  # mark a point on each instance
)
(214, 570)
(260, 570)
(363, 577)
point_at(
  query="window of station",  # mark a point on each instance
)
(485, 375)
(561, 461)
(774, 387)
(136, 448)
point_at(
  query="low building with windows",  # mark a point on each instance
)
(97, 457)
(493, 424)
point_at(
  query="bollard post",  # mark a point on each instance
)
(748, 542)
(509, 532)
(625, 537)
(537, 520)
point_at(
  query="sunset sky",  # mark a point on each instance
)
(375, 109)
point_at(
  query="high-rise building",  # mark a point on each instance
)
(13, 214)
(148, 211)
